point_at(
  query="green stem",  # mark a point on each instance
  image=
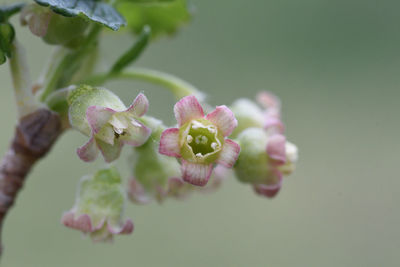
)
(21, 81)
(177, 86)
(69, 64)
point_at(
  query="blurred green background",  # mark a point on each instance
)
(334, 64)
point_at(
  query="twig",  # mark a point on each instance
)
(34, 136)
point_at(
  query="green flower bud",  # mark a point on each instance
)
(248, 114)
(84, 96)
(252, 165)
(99, 207)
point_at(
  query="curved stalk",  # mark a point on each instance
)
(21, 81)
(178, 87)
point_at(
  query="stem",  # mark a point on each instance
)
(21, 81)
(177, 86)
(70, 63)
(34, 137)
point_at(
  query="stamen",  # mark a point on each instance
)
(211, 129)
(189, 139)
(214, 145)
(199, 155)
(204, 140)
(118, 130)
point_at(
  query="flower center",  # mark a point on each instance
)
(202, 139)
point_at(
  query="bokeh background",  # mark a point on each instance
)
(334, 64)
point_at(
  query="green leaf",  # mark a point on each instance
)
(163, 18)
(91, 9)
(7, 35)
(134, 52)
(9, 10)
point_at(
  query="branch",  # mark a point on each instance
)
(34, 136)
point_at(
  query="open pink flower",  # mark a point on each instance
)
(111, 129)
(200, 141)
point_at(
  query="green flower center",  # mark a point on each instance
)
(201, 140)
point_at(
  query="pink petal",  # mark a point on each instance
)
(274, 123)
(223, 118)
(276, 149)
(98, 116)
(88, 152)
(195, 173)
(187, 109)
(109, 152)
(269, 190)
(83, 222)
(229, 154)
(169, 143)
(127, 228)
(139, 106)
(137, 135)
(38, 21)
(268, 100)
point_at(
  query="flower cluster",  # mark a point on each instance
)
(172, 162)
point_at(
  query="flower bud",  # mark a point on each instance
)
(151, 172)
(100, 114)
(248, 114)
(55, 29)
(260, 160)
(253, 165)
(99, 207)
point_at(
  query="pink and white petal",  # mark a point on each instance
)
(224, 119)
(187, 109)
(229, 154)
(195, 173)
(268, 100)
(136, 135)
(88, 152)
(275, 124)
(83, 222)
(127, 228)
(98, 117)
(269, 191)
(276, 149)
(169, 143)
(139, 106)
(109, 152)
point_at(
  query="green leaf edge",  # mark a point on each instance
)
(69, 12)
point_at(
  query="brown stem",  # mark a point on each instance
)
(34, 136)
